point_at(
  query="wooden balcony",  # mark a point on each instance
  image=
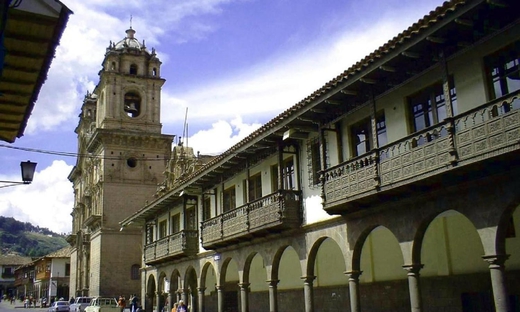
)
(469, 146)
(272, 213)
(181, 244)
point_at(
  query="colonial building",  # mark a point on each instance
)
(52, 275)
(24, 281)
(8, 264)
(394, 187)
(123, 155)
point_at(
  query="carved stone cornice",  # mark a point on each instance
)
(126, 139)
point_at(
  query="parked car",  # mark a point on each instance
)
(59, 306)
(80, 304)
(103, 304)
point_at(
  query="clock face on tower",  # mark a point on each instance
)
(132, 104)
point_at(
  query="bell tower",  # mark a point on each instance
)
(123, 155)
(130, 87)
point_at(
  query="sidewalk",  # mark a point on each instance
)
(6, 306)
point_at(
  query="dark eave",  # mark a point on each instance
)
(28, 45)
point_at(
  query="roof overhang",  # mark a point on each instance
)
(30, 31)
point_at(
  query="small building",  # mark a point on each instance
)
(24, 281)
(52, 274)
(8, 265)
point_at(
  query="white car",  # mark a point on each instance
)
(103, 304)
(59, 306)
(80, 304)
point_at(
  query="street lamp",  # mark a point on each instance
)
(28, 169)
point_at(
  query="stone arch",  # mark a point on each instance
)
(190, 288)
(504, 224)
(151, 289)
(311, 258)
(208, 280)
(378, 255)
(175, 278)
(204, 273)
(449, 237)
(161, 289)
(275, 265)
(358, 247)
(224, 269)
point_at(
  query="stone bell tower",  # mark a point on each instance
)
(122, 156)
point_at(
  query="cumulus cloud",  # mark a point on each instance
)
(269, 88)
(47, 201)
(221, 136)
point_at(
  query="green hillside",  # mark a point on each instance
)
(27, 240)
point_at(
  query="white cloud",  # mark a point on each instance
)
(271, 87)
(46, 202)
(221, 136)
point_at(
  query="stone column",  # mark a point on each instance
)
(353, 287)
(158, 301)
(220, 298)
(273, 295)
(244, 296)
(413, 285)
(184, 296)
(498, 281)
(308, 293)
(201, 299)
(170, 303)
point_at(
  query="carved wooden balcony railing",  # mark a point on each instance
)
(481, 134)
(272, 213)
(181, 244)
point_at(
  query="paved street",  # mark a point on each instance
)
(5, 306)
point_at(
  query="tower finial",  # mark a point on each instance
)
(130, 21)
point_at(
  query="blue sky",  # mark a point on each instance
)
(233, 64)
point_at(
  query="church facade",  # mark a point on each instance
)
(122, 156)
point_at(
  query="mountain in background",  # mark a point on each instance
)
(24, 239)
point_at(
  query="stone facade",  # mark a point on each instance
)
(122, 159)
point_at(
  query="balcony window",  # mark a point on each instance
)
(361, 134)
(176, 223)
(428, 107)
(191, 218)
(503, 71)
(255, 187)
(206, 212)
(229, 198)
(288, 174)
(314, 161)
(162, 229)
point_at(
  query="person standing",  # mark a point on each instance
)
(182, 307)
(133, 303)
(121, 303)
